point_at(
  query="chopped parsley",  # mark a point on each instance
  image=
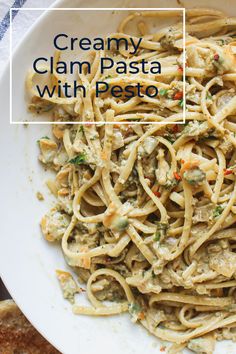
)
(81, 129)
(222, 41)
(43, 137)
(79, 159)
(170, 137)
(205, 138)
(209, 96)
(171, 183)
(157, 236)
(181, 103)
(163, 92)
(153, 274)
(162, 226)
(160, 231)
(217, 211)
(134, 308)
(136, 312)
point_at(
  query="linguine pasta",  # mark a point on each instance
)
(146, 214)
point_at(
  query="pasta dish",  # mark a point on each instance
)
(146, 213)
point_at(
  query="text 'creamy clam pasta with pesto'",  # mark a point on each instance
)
(146, 214)
(138, 75)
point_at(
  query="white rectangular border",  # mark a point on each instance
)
(100, 9)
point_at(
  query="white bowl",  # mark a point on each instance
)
(27, 262)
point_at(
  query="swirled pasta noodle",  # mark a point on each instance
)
(146, 214)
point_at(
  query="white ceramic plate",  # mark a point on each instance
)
(27, 262)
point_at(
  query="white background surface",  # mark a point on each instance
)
(21, 24)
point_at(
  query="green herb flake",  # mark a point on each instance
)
(181, 103)
(170, 137)
(78, 160)
(160, 231)
(157, 236)
(217, 211)
(162, 226)
(81, 129)
(134, 308)
(171, 183)
(209, 96)
(43, 137)
(163, 92)
(222, 42)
